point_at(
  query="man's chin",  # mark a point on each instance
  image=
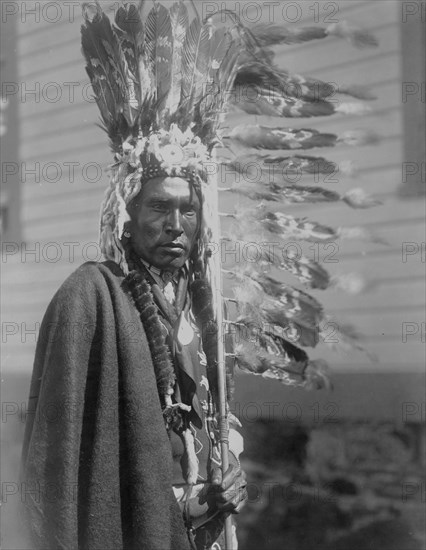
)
(172, 261)
(177, 263)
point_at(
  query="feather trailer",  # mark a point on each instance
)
(266, 177)
(307, 271)
(269, 102)
(267, 35)
(253, 74)
(293, 325)
(297, 194)
(265, 137)
(271, 35)
(289, 194)
(289, 259)
(275, 168)
(343, 337)
(273, 357)
(289, 310)
(284, 226)
(163, 68)
(296, 299)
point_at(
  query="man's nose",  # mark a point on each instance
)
(174, 223)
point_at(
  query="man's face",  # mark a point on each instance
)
(165, 219)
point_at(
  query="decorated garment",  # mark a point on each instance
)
(192, 388)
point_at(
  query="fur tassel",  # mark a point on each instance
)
(140, 291)
(355, 36)
(358, 92)
(357, 198)
(352, 283)
(360, 233)
(358, 138)
(347, 339)
(347, 168)
(192, 460)
(316, 376)
(352, 109)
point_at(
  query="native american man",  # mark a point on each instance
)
(109, 472)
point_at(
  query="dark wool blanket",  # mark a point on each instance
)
(97, 463)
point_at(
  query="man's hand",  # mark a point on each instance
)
(225, 495)
(229, 492)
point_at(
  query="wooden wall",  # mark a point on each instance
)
(59, 218)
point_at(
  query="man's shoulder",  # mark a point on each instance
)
(94, 273)
(90, 279)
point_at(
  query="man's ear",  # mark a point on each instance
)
(131, 208)
(127, 233)
(134, 204)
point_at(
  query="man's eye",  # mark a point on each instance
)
(159, 207)
(189, 210)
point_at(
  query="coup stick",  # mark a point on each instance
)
(221, 370)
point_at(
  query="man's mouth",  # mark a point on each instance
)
(173, 248)
(174, 245)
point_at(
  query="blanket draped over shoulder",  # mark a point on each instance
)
(97, 463)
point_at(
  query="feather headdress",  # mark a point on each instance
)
(163, 82)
